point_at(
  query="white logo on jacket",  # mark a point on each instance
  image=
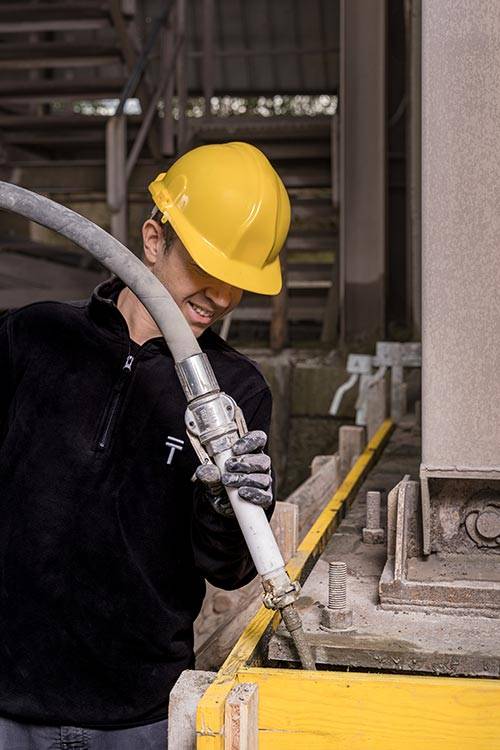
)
(175, 445)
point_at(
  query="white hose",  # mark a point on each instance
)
(255, 528)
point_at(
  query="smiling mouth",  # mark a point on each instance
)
(202, 312)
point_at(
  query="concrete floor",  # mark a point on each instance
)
(414, 640)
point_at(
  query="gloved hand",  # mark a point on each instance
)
(248, 469)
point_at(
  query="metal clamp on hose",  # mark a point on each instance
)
(279, 590)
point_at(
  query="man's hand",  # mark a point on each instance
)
(248, 469)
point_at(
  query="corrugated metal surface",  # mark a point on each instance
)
(303, 37)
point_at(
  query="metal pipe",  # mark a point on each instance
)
(139, 67)
(213, 420)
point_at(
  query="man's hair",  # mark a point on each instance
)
(169, 233)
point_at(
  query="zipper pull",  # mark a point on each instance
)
(128, 363)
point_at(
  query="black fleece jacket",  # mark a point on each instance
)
(104, 541)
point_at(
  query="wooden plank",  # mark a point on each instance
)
(241, 730)
(311, 496)
(351, 442)
(210, 715)
(358, 711)
(285, 525)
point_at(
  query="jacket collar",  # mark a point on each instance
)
(104, 312)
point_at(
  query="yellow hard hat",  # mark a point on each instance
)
(230, 210)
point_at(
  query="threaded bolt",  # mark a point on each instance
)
(373, 533)
(337, 585)
(373, 510)
(336, 616)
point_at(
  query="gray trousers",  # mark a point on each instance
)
(15, 736)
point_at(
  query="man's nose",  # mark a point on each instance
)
(221, 294)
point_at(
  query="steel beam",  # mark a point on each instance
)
(414, 166)
(362, 107)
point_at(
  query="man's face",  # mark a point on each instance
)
(202, 298)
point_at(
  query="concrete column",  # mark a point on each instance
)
(414, 166)
(362, 105)
(461, 237)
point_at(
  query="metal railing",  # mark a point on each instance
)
(170, 28)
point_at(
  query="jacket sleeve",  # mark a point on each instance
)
(220, 551)
(6, 374)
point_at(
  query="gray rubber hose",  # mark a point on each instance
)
(157, 300)
(114, 256)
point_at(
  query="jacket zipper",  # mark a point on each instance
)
(105, 434)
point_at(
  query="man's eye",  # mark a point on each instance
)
(198, 270)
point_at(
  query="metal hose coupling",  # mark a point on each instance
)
(279, 590)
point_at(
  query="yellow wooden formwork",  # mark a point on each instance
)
(300, 710)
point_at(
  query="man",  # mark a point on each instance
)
(105, 541)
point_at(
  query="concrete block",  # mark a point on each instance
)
(314, 382)
(318, 462)
(376, 410)
(183, 703)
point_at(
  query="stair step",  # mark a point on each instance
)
(298, 310)
(47, 90)
(56, 55)
(59, 122)
(26, 279)
(61, 140)
(75, 257)
(312, 208)
(22, 18)
(309, 177)
(291, 150)
(312, 241)
(255, 127)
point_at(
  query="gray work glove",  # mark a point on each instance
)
(246, 469)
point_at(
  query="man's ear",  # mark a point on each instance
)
(153, 241)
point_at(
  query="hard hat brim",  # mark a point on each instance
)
(266, 280)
